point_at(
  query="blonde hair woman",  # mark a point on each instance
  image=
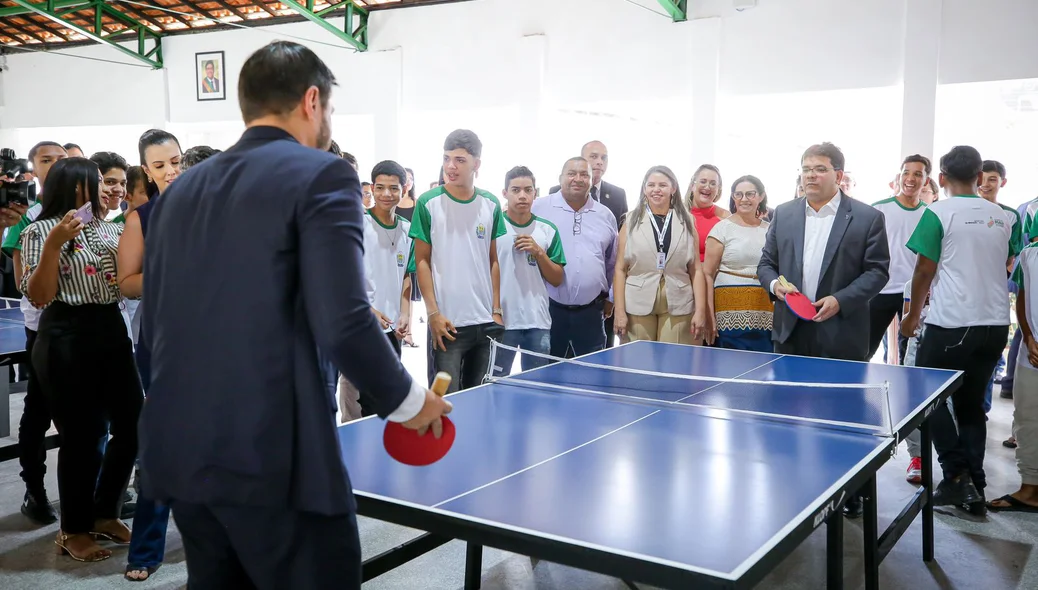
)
(658, 280)
(703, 194)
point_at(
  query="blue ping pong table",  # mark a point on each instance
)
(700, 497)
(12, 350)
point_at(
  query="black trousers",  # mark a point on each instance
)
(467, 358)
(267, 548)
(882, 310)
(83, 358)
(804, 342)
(974, 351)
(34, 424)
(363, 397)
(576, 331)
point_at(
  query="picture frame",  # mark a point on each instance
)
(210, 78)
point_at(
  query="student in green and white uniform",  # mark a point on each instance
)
(1025, 400)
(964, 244)
(530, 254)
(901, 213)
(113, 184)
(387, 253)
(455, 227)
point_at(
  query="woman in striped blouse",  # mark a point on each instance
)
(83, 356)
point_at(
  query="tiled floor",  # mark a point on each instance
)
(992, 553)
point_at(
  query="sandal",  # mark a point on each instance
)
(113, 530)
(1014, 505)
(1009, 443)
(146, 571)
(92, 553)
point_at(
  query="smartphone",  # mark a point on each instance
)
(85, 214)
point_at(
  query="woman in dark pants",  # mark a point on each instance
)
(83, 356)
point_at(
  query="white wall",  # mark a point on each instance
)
(534, 59)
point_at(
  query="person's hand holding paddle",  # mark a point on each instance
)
(431, 415)
(441, 328)
(408, 443)
(828, 306)
(783, 288)
(797, 302)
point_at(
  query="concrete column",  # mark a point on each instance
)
(387, 115)
(922, 48)
(704, 67)
(531, 71)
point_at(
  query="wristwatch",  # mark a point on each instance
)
(499, 311)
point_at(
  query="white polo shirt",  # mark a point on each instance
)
(387, 251)
(971, 240)
(1026, 278)
(900, 222)
(460, 234)
(524, 295)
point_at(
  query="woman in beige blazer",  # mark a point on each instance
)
(658, 279)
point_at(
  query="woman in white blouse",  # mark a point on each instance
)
(658, 286)
(83, 357)
(741, 308)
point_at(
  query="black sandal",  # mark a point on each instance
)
(1014, 505)
(148, 570)
(1009, 443)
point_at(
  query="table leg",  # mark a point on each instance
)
(871, 530)
(834, 551)
(5, 407)
(473, 566)
(926, 442)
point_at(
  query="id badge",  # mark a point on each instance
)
(661, 260)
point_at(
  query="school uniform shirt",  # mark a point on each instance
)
(460, 234)
(87, 273)
(1026, 278)
(524, 294)
(387, 252)
(13, 241)
(971, 240)
(900, 222)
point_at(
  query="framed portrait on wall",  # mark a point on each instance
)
(209, 76)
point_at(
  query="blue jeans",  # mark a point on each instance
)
(148, 536)
(991, 383)
(532, 339)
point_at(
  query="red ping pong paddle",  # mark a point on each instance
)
(408, 447)
(798, 303)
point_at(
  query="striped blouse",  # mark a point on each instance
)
(88, 273)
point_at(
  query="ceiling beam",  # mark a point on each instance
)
(20, 29)
(355, 36)
(97, 33)
(677, 9)
(57, 4)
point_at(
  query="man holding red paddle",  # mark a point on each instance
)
(833, 251)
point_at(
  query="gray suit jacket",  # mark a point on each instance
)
(855, 268)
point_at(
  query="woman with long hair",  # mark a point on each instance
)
(741, 308)
(83, 357)
(658, 282)
(703, 194)
(160, 159)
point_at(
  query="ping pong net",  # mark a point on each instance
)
(855, 407)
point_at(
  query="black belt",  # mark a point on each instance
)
(597, 302)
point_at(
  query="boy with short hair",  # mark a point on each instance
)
(455, 228)
(530, 255)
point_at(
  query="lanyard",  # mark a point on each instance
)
(666, 223)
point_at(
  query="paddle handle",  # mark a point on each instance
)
(441, 383)
(785, 284)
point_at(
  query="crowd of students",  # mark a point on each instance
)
(544, 273)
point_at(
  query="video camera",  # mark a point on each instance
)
(14, 190)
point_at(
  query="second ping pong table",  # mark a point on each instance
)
(700, 496)
(12, 351)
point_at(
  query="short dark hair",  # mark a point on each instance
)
(963, 163)
(919, 159)
(335, 149)
(349, 158)
(365, 183)
(196, 155)
(826, 150)
(389, 168)
(994, 166)
(575, 159)
(135, 176)
(208, 63)
(36, 148)
(275, 78)
(519, 172)
(71, 146)
(463, 139)
(107, 160)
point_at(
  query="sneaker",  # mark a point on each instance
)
(37, 508)
(915, 470)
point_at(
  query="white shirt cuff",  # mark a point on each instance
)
(411, 405)
(771, 287)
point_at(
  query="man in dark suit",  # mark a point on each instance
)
(833, 249)
(610, 195)
(238, 432)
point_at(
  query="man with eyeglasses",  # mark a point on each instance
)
(580, 305)
(833, 249)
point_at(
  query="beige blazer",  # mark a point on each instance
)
(643, 278)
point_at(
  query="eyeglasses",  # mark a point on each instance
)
(577, 216)
(709, 183)
(816, 169)
(748, 195)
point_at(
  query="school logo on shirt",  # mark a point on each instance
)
(531, 259)
(400, 260)
(481, 231)
(993, 222)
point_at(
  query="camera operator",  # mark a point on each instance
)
(35, 421)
